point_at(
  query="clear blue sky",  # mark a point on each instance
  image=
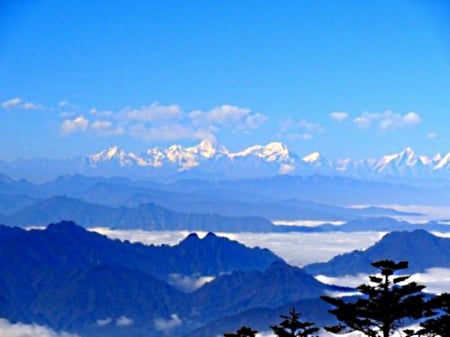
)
(347, 78)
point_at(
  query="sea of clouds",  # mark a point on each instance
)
(297, 249)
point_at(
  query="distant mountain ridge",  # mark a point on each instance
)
(68, 278)
(210, 160)
(203, 204)
(422, 249)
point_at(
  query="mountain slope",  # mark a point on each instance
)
(422, 249)
(68, 278)
(147, 216)
(239, 291)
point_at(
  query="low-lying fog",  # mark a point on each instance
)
(296, 248)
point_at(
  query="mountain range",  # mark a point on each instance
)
(422, 249)
(227, 206)
(243, 205)
(71, 279)
(217, 162)
(68, 278)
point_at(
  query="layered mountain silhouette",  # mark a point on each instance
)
(194, 204)
(422, 249)
(145, 216)
(72, 279)
(69, 278)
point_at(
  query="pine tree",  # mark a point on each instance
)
(243, 332)
(385, 304)
(439, 324)
(291, 326)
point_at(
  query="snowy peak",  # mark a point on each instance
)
(404, 159)
(272, 152)
(442, 162)
(270, 159)
(114, 154)
(312, 157)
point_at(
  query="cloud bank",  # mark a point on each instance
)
(296, 248)
(436, 280)
(387, 120)
(29, 330)
(163, 122)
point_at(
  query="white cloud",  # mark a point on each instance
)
(154, 112)
(188, 283)
(168, 324)
(366, 119)
(387, 120)
(157, 122)
(297, 248)
(28, 330)
(229, 116)
(106, 128)
(436, 280)
(29, 106)
(339, 116)
(67, 114)
(310, 127)
(18, 103)
(101, 125)
(254, 121)
(170, 132)
(124, 321)
(11, 103)
(98, 113)
(432, 135)
(104, 322)
(78, 124)
(286, 168)
(301, 130)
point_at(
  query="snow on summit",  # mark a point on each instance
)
(207, 155)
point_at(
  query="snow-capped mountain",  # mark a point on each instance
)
(187, 158)
(274, 158)
(212, 160)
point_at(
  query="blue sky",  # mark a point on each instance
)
(351, 79)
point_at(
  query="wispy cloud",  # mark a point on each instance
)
(124, 321)
(188, 283)
(167, 324)
(29, 330)
(300, 130)
(339, 116)
(104, 321)
(154, 112)
(228, 116)
(19, 103)
(387, 120)
(432, 135)
(106, 128)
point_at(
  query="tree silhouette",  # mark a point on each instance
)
(439, 324)
(291, 326)
(242, 332)
(383, 307)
